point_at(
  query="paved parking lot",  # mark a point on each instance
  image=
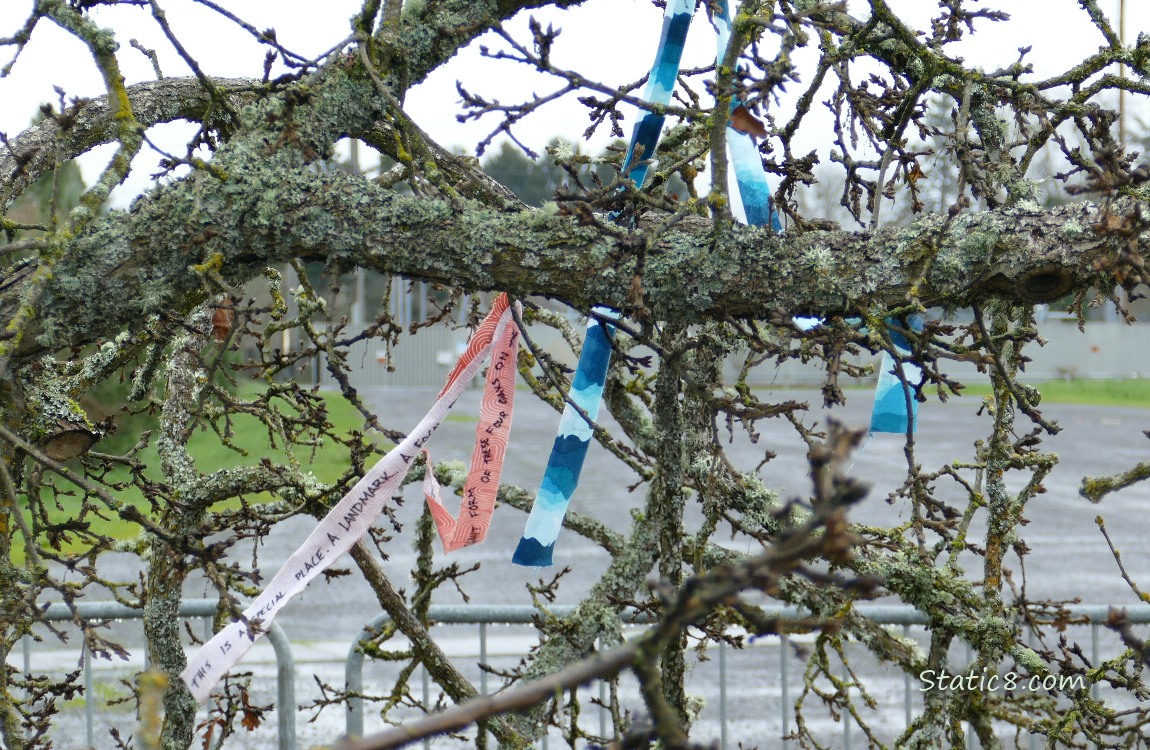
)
(1069, 557)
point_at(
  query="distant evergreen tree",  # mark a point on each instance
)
(535, 182)
(33, 206)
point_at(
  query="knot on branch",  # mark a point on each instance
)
(68, 439)
(1046, 284)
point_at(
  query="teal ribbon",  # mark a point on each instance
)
(568, 453)
(561, 477)
(891, 395)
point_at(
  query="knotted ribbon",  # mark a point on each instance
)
(349, 520)
(561, 477)
(754, 191)
(891, 395)
(889, 413)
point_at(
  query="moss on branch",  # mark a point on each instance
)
(263, 204)
(127, 266)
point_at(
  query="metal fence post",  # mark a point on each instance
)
(1033, 739)
(847, 695)
(722, 695)
(602, 696)
(89, 700)
(906, 684)
(426, 699)
(482, 640)
(353, 676)
(971, 742)
(785, 699)
(285, 687)
(1094, 655)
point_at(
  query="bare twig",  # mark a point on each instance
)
(823, 535)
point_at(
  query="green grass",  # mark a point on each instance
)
(1133, 393)
(1130, 393)
(109, 696)
(327, 462)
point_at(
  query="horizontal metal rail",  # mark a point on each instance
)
(205, 608)
(482, 616)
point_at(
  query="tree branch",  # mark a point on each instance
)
(825, 534)
(247, 222)
(1096, 488)
(428, 651)
(91, 122)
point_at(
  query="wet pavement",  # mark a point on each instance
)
(1069, 558)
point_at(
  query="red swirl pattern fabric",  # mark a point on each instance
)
(480, 340)
(351, 517)
(491, 436)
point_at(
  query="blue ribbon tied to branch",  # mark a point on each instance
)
(561, 477)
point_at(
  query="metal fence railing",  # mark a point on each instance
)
(189, 609)
(479, 615)
(483, 616)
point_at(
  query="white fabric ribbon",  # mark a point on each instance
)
(341, 528)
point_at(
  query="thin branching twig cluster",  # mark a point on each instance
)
(107, 409)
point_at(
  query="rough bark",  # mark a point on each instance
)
(667, 502)
(167, 568)
(261, 201)
(151, 260)
(91, 122)
(428, 651)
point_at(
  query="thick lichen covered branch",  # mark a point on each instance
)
(1023, 254)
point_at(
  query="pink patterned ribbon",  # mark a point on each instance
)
(491, 435)
(345, 524)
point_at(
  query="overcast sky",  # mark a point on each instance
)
(609, 40)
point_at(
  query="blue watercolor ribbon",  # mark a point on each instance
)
(889, 413)
(754, 191)
(660, 85)
(570, 448)
(561, 477)
(891, 395)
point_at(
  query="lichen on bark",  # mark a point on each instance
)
(105, 293)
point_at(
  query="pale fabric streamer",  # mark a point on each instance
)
(347, 522)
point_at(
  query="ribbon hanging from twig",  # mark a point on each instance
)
(491, 435)
(565, 464)
(569, 451)
(345, 524)
(890, 412)
(754, 191)
(895, 406)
